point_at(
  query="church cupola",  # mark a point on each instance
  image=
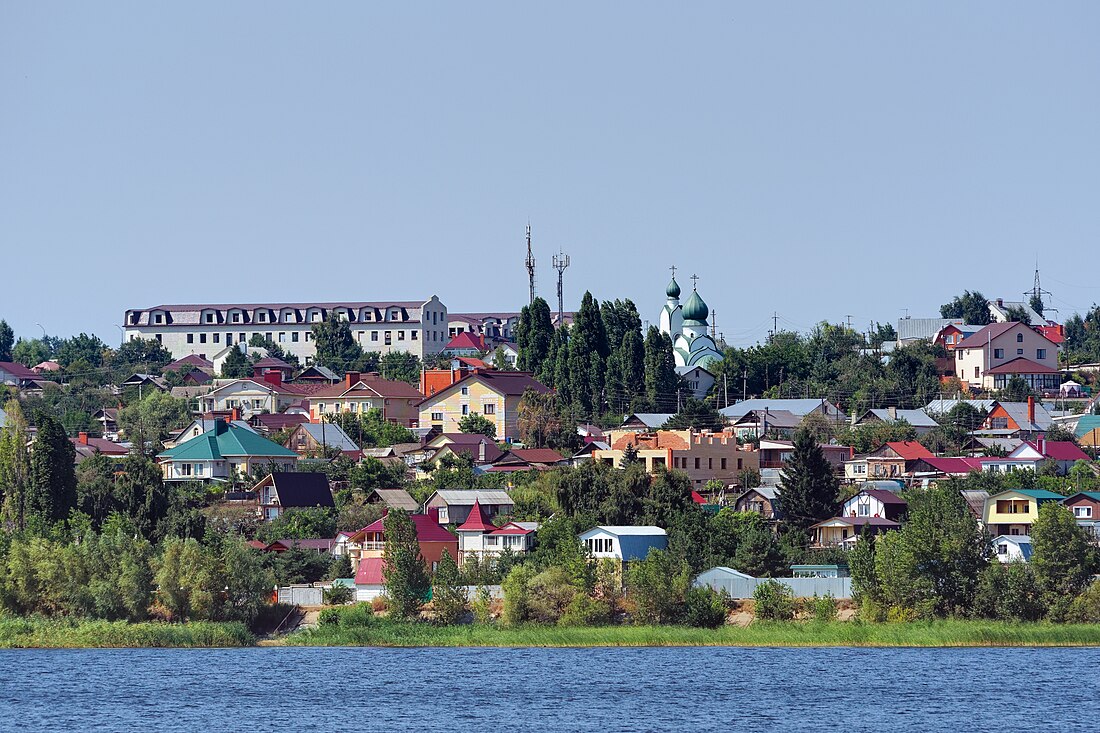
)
(673, 289)
(695, 309)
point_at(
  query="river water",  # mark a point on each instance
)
(467, 690)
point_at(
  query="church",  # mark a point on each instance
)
(686, 325)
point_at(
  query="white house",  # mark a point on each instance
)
(479, 537)
(1012, 548)
(623, 543)
(698, 380)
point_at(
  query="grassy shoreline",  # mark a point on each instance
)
(42, 633)
(760, 634)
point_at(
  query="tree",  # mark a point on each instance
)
(247, 583)
(51, 495)
(657, 585)
(236, 365)
(336, 347)
(587, 358)
(7, 339)
(661, 380)
(448, 593)
(669, 496)
(81, 348)
(540, 422)
(773, 601)
(148, 421)
(534, 336)
(30, 352)
(1060, 554)
(1016, 390)
(861, 561)
(15, 466)
(147, 354)
(476, 423)
(273, 349)
(971, 307)
(697, 415)
(808, 486)
(403, 572)
(400, 366)
(1036, 303)
(1017, 314)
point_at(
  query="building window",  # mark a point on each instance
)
(185, 469)
(158, 318)
(202, 338)
(1082, 512)
(1040, 354)
(437, 417)
(977, 372)
(217, 338)
(465, 409)
(320, 407)
(236, 317)
(268, 335)
(209, 317)
(465, 391)
(294, 337)
(198, 469)
(240, 337)
(998, 353)
(282, 337)
(400, 335)
(159, 339)
(309, 336)
(489, 409)
(389, 337)
(1019, 338)
(696, 463)
(261, 317)
(373, 335)
(413, 336)
(723, 464)
(228, 339)
(190, 338)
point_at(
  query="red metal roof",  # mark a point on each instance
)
(537, 455)
(512, 528)
(466, 340)
(370, 571)
(910, 450)
(428, 529)
(18, 370)
(954, 465)
(982, 338)
(698, 498)
(477, 522)
(1060, 450)
(1020, 365)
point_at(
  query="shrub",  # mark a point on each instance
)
(823, 608)
(551, 592)
(584, 610)
(329, 617)
(360, 614)
(378, 603)
(704, 608)
(338, 595)
(517, 596)
(482, 605)
(774, 601)
(1085, 608)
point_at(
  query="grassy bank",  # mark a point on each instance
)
(917, 634)
(63, 633)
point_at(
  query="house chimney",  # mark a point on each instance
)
(1031, 409)
(350, 378)
(82, 438)
(1000, 302)
(274, 378)
(220, 426)
(481, 452)
(892, 412)
(234, 415)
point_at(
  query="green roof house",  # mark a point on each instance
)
(222, 453)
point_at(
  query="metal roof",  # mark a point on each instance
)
(800, 407)
(330, 435)
(234, 441)
(912, 329)
(467, 497)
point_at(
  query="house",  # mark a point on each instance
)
(144, 381)
(418, 327)
(107, 417)
(1085, 506)
(702, 455)
(14, 373)
(989, 358)
(503, 352)
(585, 453)
(843, 532)
(196, 378)
(369, 542)
(479, 537)
(953, 334)
(466, 343)
(1013, 512)
(189, 362)
(478, 448)
(1032, 455)
(697, 380)
(223, 454)
(316, 439)
(267, 423)
(320, 546)
(760, 423)
(317, 373)
(47, 366)
(269, 364)
(86, 446)
(453, 506)
(893, 459)
(277, 492)
(623, 543)
(919, 419)
(491, 325)
(645, 421)
(799, 407)
(999, 311)
(945, 466)
(763, 500)
(255, 395)
(776, 453)
(975, 503)
(1008, 419)
(875, 503)
(528, 459)
(198, 427)
(911, 330)
(1012, 548)
(493, 394)
(435, 380)
(361, 392)
(393, 499)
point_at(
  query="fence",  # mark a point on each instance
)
(301, 595)
(741, 586)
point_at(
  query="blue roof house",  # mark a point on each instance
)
(624, 544)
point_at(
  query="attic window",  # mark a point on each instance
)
(1019, 338)
(158, 318)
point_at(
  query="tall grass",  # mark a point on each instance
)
(917, 634)
(74, 633)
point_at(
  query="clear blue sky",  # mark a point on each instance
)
(818, 159)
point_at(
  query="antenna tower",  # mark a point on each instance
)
(1037, 291)
(530, 265)
(560, 262)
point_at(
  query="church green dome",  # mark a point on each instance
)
(673, 289)
(696, 309)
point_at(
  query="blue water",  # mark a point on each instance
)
(460, 690)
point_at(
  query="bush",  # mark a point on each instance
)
(823, 608)
(584, 610)
(774, 601)
(378, 604)
(704, 608)
(329, 617)
(482, 606)
(338, 595)
(360, 614)
(1085, 608)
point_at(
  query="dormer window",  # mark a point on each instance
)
(209, 317)
(158, 318)
(261, 317)
(236, 317)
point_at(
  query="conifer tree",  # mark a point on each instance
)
(403, 572)
(236, 365)
(336, 347)
(808, 487)
(15, 466)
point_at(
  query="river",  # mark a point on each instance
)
(467, 690)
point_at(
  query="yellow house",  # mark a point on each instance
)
(1014, 511)
(493, 394)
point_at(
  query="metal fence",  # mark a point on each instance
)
(742, 587)
(301, 595)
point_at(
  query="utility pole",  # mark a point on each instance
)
(775, 323)
(530, 265)
(714, 325)
(560, 262)
(744, 384)
(849, 321)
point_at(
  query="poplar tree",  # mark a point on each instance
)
(403, 572)
(660, 370)
(52, 492)
(534, 336)
(587, 359)
(15, 466)
(808, 487)
(448, 594)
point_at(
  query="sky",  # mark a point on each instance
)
(815, 160)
